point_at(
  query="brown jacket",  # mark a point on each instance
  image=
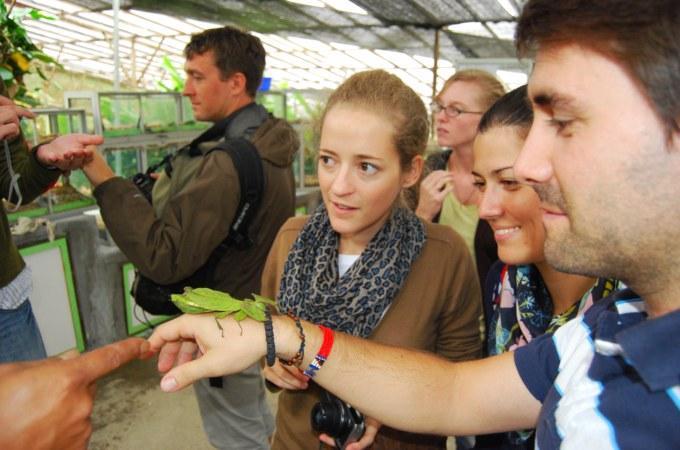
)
(437, 310)
(198, 214)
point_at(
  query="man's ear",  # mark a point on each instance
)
(412, 173)
(237, 83)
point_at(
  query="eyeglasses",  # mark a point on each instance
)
(450, 110)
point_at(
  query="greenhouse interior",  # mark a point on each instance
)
(118, 69)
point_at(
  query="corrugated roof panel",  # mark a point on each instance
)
(396, 37)
(488, 10)
(489, 48)
(310, 45)
(445, 11)
(328, 17)
(392, 12)
(504, 30)
(283, 16)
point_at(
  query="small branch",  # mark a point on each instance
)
(11, 7)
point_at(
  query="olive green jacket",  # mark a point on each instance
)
(170, 245)
(34, 179)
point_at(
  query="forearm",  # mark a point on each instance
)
(405, 389)
(416, 391)
(98, 171)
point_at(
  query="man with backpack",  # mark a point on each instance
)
(198, 199)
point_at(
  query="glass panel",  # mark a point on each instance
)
(124, 162)
(120, 115)
(159, 112)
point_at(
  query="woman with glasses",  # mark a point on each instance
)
(447, 194)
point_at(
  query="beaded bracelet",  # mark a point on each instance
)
(324, 352)
(299, 356)
(269, 336)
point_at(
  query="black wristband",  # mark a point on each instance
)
(269, 335)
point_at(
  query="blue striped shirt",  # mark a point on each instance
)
(607, 380)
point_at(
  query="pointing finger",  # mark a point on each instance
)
(99, 362)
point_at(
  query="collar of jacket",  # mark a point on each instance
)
(241, 123)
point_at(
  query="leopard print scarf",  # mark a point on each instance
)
(354, 303)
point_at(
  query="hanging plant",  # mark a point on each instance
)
(18, 55)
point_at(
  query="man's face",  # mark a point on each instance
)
(599, 158)
(210, 95)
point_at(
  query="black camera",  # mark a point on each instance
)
(144, 183)
(339, 420)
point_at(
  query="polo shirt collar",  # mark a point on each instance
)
(651, 346)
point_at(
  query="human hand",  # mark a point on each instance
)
(68, 152)
(10, 115)
(286, 377)
(47, 404)
(371, 431)
(220, 352)
(97, 169)
(433, 189)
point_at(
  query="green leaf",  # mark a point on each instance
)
(35, 14)
(6, 74)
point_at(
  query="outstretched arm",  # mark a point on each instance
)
(405, 389)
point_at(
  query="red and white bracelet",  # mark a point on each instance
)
(324, 352)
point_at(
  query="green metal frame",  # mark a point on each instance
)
(43, 211)
(68, 278)
(132, 328)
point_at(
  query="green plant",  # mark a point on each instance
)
(176, 79)
(17, 53)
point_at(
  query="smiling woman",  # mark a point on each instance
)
(524, 296)
(364, 264)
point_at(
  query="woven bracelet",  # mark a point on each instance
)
(269, 335)
(299, 356)
(324, 352)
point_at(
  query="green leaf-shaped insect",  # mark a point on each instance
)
(205, 300)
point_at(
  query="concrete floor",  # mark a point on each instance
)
(131, 412)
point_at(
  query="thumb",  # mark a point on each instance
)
(186, 374)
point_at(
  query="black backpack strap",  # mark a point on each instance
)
(248, 165)
(250, 173)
